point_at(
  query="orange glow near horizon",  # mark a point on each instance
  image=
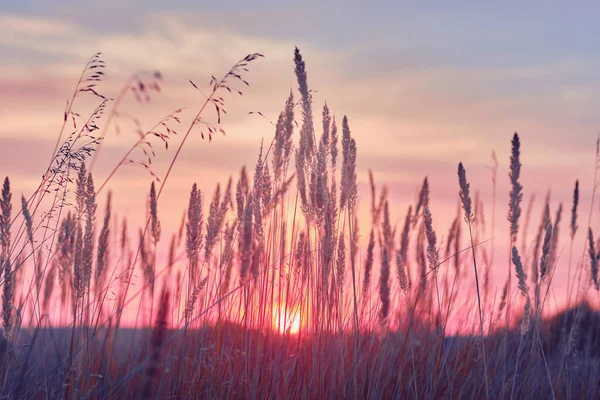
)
(286, 320)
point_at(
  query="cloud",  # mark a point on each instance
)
(16, 25)
(416, 106)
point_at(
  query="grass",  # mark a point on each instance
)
(266, 292)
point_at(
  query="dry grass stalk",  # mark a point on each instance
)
(465, 199)
(369, 263)
(516, 191)
(384, 286)
(194, 235)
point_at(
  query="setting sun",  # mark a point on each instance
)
(312, 200)
(285, 320)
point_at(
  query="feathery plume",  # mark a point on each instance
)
(326, 125)
(216, 218)
(154, 222)
(283, 138)
(593, 253)
(244, 181)
(334, 142)
(88, 239)
(516, 195)
(80, 191)
(49, 288)
(307, 130)
(540, 236)
(28, 220)
(266, 189)
(213, 222)
(373, 195)
(423, 199)
(194, 231)
(432, 250)
(5, 211)
(103, 245)
(319, 190)
(78, 274)
(189, 305)
(402, 276)
(341, 262)
(8, 281)
(327, 247)
(521, 275)
(352, 178)
(65, 249)
(299, 256)
(421, 257)
(388, 234)
(502, 303)
(465, 197)
(124, 234)
(246, 242)
(524, 289)
(301, 179)
(384, 286)
(7, 298)
(354, 240)
(241, 191)
(369, 261)
(257, 195)
(546, 252)
(404, 238)
(574, 209)
(348, 191)
(288, 127)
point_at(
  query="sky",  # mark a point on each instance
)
(423, 87)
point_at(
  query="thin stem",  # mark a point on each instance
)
(487, 393)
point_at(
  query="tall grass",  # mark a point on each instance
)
(271, 288)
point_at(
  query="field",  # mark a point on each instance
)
(273, 286)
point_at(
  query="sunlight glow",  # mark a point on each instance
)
(285, 320)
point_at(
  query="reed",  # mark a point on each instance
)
(258, 288)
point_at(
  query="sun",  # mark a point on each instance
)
(286, 320)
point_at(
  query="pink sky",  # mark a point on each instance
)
(412, 115)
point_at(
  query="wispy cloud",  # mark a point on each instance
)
(414, 103)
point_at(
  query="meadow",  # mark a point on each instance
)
(272, 287)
